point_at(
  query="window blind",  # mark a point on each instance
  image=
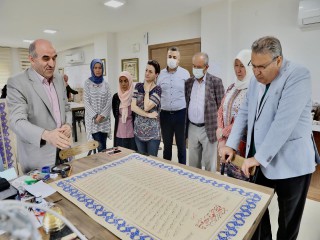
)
(5, 65)
(23, 58)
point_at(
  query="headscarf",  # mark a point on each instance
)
(125, 97)
(245, 57)
(94, 78)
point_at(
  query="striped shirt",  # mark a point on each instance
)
(197, 101)
(97, 101)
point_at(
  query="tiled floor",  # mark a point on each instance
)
(309, 229)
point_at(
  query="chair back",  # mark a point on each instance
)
(70, 152)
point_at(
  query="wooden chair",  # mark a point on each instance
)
(79, 117)
(86, 147)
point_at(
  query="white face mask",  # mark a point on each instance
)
(172, 63)
(198, 73)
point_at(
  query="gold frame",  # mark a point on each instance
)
(132, 66)
(104, 66)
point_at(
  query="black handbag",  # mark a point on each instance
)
(233, 169)
(4, 184)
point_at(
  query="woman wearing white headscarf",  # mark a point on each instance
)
(124, 117)
(233, 98)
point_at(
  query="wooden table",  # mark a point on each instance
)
(75, 107)
(93, 230)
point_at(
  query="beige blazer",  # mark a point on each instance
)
(30, 113)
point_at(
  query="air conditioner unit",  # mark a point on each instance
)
(75, 58)
(309, 13)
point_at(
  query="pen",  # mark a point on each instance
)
(57, 200)
(36, 216)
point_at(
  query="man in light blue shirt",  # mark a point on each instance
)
(173, 105)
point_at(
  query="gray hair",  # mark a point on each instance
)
(32, 50)
(204, 55)
(266, 45)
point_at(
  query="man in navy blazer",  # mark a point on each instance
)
(277, 112)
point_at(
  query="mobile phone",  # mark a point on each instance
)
(115, 151)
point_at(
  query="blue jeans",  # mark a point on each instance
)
(126, 143)
(173, 123)
(101, 137)
(150, 147)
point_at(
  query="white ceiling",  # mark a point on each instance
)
(80, 20)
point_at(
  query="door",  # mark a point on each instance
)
(187, 49)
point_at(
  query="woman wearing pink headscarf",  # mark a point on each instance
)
(124, 117)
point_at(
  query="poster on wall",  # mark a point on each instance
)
(132, 66)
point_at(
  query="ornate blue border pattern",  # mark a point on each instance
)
(5, 141)
(229, 232)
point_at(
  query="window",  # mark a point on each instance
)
(23, 58)
(5, 65)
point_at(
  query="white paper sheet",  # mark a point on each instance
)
(40, 189)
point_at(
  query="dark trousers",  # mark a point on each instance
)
(292, 194)
(126, 143)
(150, 147)
(101, 137)
(173, 124)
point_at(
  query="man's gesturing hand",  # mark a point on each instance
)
(56, 138)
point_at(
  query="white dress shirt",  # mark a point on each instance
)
(197, 101)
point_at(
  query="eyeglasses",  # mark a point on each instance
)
(262, 67)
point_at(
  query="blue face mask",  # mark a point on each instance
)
(198, 73)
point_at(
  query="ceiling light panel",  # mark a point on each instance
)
(114, 3)
(50, 31)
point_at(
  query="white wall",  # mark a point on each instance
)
(88, 56)
(112, 61)
(117, 46)
(240, 22)
(215, 37)
(225, 28)
(279, 18)
(170, 30)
